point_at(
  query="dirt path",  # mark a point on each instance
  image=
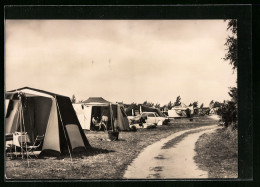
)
(177, 161)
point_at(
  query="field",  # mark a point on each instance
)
(106, 159)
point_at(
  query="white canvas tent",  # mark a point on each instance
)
(84, 115)
(173, 114)
(96, 106)
(180, 111)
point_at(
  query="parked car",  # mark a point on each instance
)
(154, 118)
(137, 122)
(134, 119)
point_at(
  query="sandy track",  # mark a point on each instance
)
(155, 162)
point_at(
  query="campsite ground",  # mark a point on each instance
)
(107, 159)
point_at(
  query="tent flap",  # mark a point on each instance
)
(52, 140)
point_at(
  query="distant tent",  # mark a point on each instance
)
(131, 110)
(151, 109)
(38, 112)
(174, 114)
(98, 100)
(182, 106)
(181, 110)
(96, 106)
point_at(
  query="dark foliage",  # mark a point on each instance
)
(228, 109)
(195, 104)
(231, 44)
(178, 101)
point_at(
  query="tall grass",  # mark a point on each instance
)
(230, 134)
(217, 153)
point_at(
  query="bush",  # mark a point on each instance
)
(228, 113)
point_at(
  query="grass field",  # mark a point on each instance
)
(106, 160)
(217, 153)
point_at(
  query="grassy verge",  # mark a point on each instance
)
(107, 160)
(217, 153)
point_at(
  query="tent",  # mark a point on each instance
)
(96, 106)
(174, 114)
(131, 110)
(38, 112)
(180, 111)
(151, 109)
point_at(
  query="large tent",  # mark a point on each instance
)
(96, 106)
(38, 112)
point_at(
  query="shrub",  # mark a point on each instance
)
(228, 114)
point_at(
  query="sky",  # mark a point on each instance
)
(120, 60)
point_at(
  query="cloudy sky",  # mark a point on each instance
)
(120, 60)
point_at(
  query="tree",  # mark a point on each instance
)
(178, 101)
(231, 44)
(165, 108)
(217, 104)
(170, 105)
(195, 104)
(73, 99)
(157, 105)
(211, 104)
(233, 94)
(149, 104)
(228, 113)
(228, 110)
(201, 106)
(190, 104)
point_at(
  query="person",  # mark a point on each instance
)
(188, 112)
(104, 120)
(142, 121)
(95, 122)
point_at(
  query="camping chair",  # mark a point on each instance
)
(23, 140)
(8, 148)
(9, 144)
(37, 143)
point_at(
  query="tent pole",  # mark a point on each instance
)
(111, 115)
(17, 123)
(25, 135)
(21, 122)
(63, 128)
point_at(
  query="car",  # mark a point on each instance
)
(134, 119)
(143, 126)
(154, 118)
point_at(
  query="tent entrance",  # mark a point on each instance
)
(97, 113)
(36, 115)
